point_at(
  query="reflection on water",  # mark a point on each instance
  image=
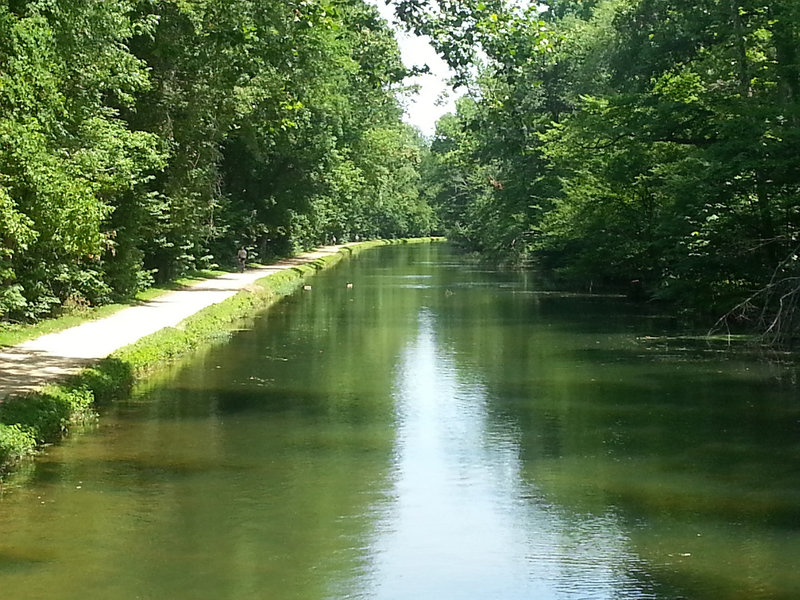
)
(437, 430)
(459, 522)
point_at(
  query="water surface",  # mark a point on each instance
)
(436, 431)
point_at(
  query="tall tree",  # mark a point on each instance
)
(65, 154)
(144, 138)
(640, 139)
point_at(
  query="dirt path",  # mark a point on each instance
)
(28, 366)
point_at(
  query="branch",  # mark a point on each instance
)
(779, 311)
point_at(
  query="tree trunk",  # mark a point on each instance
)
(740, 43)
(784, 17)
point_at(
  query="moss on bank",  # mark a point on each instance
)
(29, 421)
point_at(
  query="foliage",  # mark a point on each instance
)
(14, 444)
(64, 152)
(142, 139)
(46, 415)
(632, 141)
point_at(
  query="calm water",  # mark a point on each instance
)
(436, 432)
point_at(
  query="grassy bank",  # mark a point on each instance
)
(27, 422)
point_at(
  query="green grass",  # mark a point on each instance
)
(27, 422)
(212, 324)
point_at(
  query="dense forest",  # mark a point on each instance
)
(141, 139)
(642, 145)
(651, 146)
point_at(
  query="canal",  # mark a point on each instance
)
(435, 431)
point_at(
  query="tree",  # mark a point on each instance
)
(634, 139)
(65, 153)
(145, 138)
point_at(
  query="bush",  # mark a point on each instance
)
(107, 380)
(11, 300)
(46, 414)
(15, 443)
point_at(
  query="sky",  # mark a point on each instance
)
(424, 109)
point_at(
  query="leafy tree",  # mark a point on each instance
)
(65, 153)
(144, 138)
(633, 140)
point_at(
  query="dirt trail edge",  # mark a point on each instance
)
(28, 366)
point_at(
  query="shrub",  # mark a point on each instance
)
(46, 414)
(15, 443)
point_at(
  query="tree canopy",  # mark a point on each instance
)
(620, 141)
(140, 139)
(607, 141)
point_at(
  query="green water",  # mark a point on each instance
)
(436, 432)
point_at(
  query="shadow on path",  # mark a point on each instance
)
(23, 371)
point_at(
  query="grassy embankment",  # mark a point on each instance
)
(27, 422)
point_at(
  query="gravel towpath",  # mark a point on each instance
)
(28, 366)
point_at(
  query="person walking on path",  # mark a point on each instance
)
(241, 256)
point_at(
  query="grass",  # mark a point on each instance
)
(212, 324)
(27, 422)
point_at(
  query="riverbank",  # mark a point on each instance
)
(55, 381)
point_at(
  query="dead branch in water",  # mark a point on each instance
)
(774, 310)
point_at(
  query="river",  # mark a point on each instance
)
(435, 431)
